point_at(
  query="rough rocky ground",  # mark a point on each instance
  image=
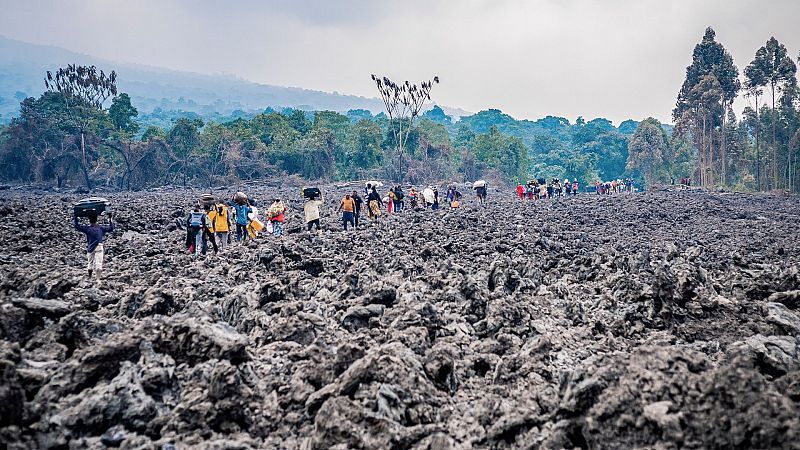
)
(658, 320)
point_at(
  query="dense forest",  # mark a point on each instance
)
(81, 131)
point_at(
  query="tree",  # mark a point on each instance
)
(755, 80)
(84, 91)
(184, 138)
(299, 121)
(122, 115)
(364, 146)
(504, 153)
(708, 58)
(706, 109)
(403, 101)
(772, 68)
(648, 150)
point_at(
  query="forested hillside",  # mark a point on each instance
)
(62, 137)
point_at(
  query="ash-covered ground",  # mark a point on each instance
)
(656, 320)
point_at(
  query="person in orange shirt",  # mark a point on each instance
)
(348, 208)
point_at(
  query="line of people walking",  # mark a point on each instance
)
(540, 189)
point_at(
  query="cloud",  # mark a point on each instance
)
(530, 58)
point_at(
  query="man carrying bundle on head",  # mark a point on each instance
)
(314, 200)
(242, 208)
(95, 235)
(480, 190)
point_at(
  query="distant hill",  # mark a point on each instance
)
(23, 65)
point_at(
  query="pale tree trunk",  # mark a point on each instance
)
(758, 149)
(400, 152)
(84, 163)
(724, 148)
(774, 144)
(703, 154)
(710, 161)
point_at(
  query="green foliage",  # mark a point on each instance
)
(363, 147)
(122, 115)
(153, 132)
(504, 153)
(436, 114)
(649, 150)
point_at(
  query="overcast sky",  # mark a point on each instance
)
(596, 58)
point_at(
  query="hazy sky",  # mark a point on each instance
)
(596, 58)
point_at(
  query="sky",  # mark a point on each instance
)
(616, 59)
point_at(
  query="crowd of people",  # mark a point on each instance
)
(614, 186)
(541, 189)
(215, 223)
(212, 222)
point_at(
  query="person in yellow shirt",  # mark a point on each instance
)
(220, 223)
(348, 208)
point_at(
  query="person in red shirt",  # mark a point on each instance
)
(520, 192)
(275, 214)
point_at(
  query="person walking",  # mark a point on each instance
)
(520, 191)
(374, 204)
(197, 226)
(311, 212)
(95, 235)
(219, 218)
(242, 209)
(276, 215)
(391, 201)
(428, 196)
(359, 202)
(399, 202)
(413, 197)
(481, 192)
(348, 208)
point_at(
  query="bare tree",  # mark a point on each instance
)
(403, 102)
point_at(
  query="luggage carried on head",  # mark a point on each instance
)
(207, 200)
(92, 206)
(253, 214)
(479, 184)
(240, 198)
(311, 193)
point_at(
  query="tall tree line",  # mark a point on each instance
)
(731, 152)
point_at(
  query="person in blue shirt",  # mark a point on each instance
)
(95, 235)
(242, 210)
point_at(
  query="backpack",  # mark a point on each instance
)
(399, 195)
(196, 219)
